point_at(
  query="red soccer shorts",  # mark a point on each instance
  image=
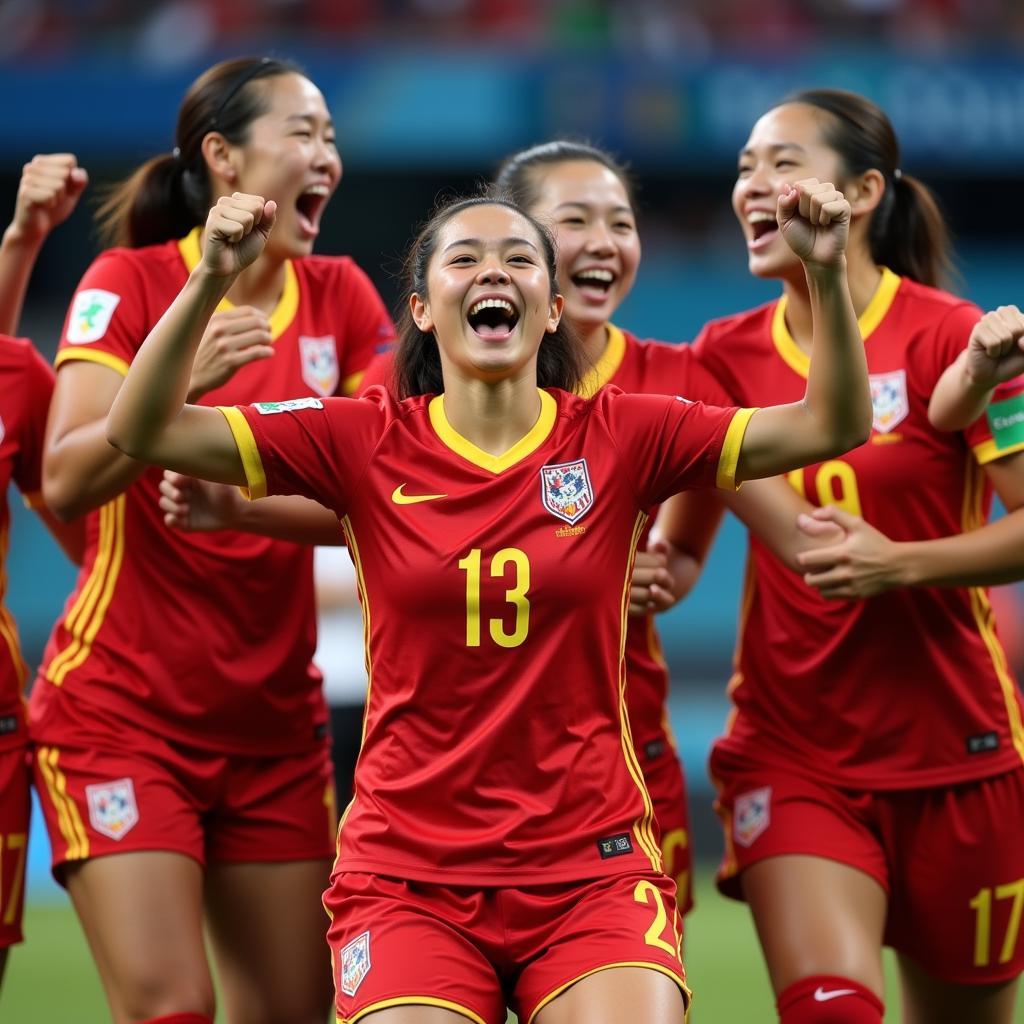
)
(15, 810)
(475, 951)
(108, 787)
(665, 783)
(950, 858)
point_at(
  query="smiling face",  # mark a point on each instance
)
(488, 298)
(589, 209)
(290, 156)
(785, 145)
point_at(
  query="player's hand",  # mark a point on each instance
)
(814, 218)
(995, 349)
(862, 564)
(198, 505)
(231, 340)
(50, 187)
(662, 576)
(236, 232)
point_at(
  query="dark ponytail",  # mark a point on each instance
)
(907, 232)
(169, 195)
(417, 360)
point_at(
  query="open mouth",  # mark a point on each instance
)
(310, 205)
(594, 283)
(762, 224)
(493, 319)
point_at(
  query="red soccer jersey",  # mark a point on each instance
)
(26, 383)
(494, 593)
(205, 637)
(910, 688)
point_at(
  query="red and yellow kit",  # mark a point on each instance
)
(911, 688)
(26, 383)
(494, 594)
(205, 637)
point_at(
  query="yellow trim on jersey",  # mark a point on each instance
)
(729, 458)
(384, 1004)
(525, 446)
(8, 630)
(91, 355)
(660, 968)
(972, 517)
(248, 452)
(68, 818)
(350, 385)
(874, 313)
(287, 305)
(988, 451)
(643, 827)
(86, 616)
(607, 366)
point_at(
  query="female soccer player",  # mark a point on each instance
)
(500, 845)
(871, 780)
(182, 754)
(49, 190)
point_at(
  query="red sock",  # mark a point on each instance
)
(180, 1018)
(828, 999)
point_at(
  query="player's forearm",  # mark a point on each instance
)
(838, 396)
(958, 400)
(988, 556)
(294, 518)
(156, 387)
(18, 255)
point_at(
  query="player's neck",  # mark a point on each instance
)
(593, 341)
(493, 416)
(864, 277)
(259, 285)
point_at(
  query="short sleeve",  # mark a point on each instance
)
(1000, 432)
(314, 447)
(38, 389)
(670, 444)
(368, 329)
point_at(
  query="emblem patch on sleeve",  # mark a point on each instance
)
(320, 363)
(112, 807)
(889, 402)
(291, 405)
(1006, 421)
(355, 963)
(91, 313)
(566, 491)
(751, 815)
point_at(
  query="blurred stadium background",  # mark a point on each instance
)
(428, 95)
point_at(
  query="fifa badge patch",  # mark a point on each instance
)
(90, 316)
(566, 491)
(112, 808)
(291, 405)
(889, 402)
(1006, 421)
(320, 363)
(751, 815)
(355, 963)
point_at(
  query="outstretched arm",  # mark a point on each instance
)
(149, 419)
(994, 354)
(835, 413)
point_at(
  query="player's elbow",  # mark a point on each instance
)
(62, 494)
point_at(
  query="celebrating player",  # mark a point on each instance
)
(871, 781)
(182, 753)
(500, 822)
(49, 190)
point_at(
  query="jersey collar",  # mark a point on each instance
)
(287, 306)
(873, 314)
(525, 446)
(607, 366)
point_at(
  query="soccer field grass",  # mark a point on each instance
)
(51, 979)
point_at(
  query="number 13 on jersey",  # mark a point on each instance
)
(499, 566)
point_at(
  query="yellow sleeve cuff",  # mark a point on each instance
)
(988, 451)
(91, 355)
(251, 461)
(730, 457)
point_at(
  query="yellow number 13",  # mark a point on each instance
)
(515, 595)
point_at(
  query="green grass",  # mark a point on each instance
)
(51, 979)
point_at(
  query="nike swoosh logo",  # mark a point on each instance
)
(412, 499)
(821, 996)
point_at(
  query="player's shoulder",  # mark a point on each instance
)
(327, 270)
(378, 402)
(16, 354)
(926, 301)
(750, 328)
(145, 257)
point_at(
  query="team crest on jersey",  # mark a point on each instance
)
(320, 363)
(565, 490)
(355, 963)
(90, 316)
(112, 807)
(751, 815)
(889, 403)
